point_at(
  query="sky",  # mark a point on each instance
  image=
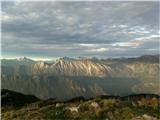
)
(49, 30)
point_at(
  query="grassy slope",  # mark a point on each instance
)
(112, 109)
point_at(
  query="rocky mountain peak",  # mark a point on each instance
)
(23, 59)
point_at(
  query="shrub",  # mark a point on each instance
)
(126, 113)
(100, 113)
(83, 107)
(109, 103)
(154, 103)
(110, 115)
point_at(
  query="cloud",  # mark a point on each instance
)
(79, 28)
(87, 45)
(99, 50)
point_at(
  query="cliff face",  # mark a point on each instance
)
(73, 68)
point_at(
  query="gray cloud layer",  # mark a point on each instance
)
(103, 29)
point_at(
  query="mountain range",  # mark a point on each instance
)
(66, 77)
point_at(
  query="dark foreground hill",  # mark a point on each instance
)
(11, 98)
(133, 107)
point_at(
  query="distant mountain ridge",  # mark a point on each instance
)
(17, 61)
(155, 58)
(77, 67)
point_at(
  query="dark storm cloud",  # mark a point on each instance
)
(79, 28)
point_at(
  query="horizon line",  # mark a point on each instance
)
(55, 58)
